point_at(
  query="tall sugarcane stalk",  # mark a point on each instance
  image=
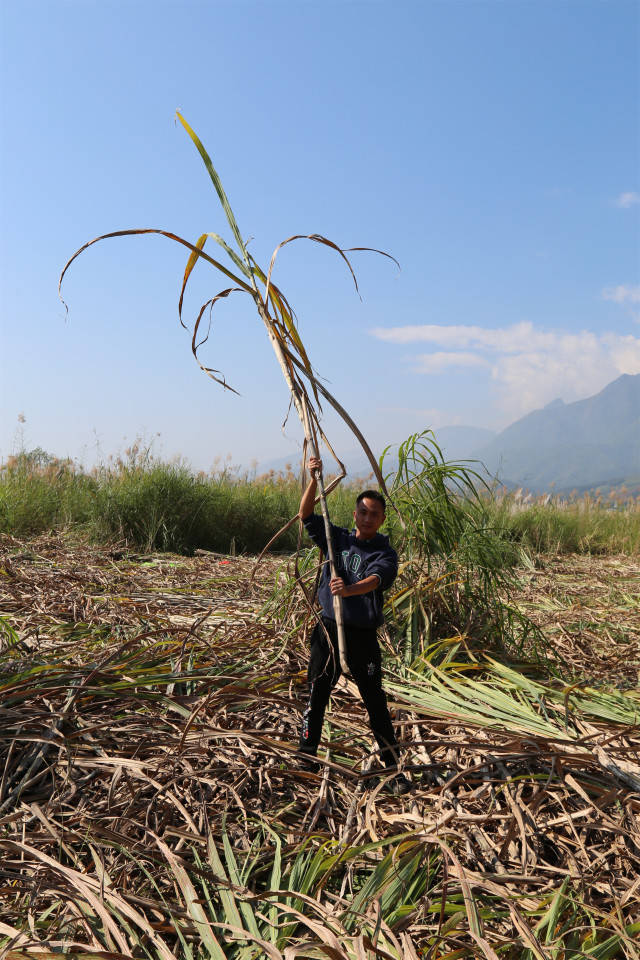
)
(279, 321)
(301, 403)
(331, 556)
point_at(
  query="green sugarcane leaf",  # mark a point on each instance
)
(225, 892)
(250, 924)
(217, 184)
(283, 310)
(192, 903)
(195, 256)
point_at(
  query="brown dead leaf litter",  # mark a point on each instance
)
(146, 706)
(589, 609)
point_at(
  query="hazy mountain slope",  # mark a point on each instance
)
(458, 443)
(583, 444)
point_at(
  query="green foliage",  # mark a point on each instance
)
(584, 525)
(151, 504)
(454, 527)
(157, 508)
(166, 507)
(458, 566)
(291, 880)
(41, 492)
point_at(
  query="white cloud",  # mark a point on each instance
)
(517, 338)
(625, 352)
(628, 199)
(435, 362)
(453, 336)
(573, 366)
(622, 294)
(528, 366)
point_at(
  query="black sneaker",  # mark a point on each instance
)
(398, 786)
(307, 760)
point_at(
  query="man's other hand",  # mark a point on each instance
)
(313, 464)
(338, 587)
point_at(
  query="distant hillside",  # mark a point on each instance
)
(589, 443)
(458, 443)
(565, 446)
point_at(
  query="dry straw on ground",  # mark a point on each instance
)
(150, 803)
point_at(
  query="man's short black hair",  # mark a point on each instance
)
(373, 495)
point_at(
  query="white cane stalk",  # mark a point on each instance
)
(299, 401)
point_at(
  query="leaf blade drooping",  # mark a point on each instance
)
(194, 257)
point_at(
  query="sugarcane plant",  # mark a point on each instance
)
(457, 572)
(279, 320)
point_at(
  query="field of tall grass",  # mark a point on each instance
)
(151, 504)
(148, 503)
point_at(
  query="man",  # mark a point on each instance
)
(367, 565)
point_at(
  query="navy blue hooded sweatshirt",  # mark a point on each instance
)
(355, 560)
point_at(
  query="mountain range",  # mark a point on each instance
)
(564, 446)
(581, 445)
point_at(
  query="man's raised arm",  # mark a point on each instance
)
(309, 496)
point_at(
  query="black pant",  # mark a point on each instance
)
(364, 662)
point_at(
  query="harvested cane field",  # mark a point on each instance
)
(151, 805)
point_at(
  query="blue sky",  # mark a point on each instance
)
(492, 146)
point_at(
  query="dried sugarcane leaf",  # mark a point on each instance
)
(196, 345)
(163, 233)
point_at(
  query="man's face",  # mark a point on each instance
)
(369, 517)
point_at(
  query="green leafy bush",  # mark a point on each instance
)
(453, 523)
(40, 492)
(456, 574)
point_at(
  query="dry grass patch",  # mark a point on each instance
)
(150, 805)
(589, 608)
